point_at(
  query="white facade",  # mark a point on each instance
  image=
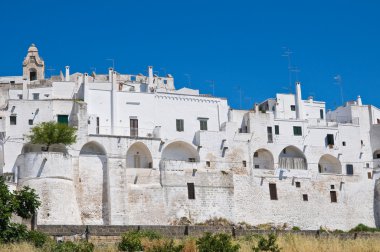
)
(147, 153)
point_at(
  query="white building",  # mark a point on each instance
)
(147, 153)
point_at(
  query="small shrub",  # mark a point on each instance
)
(267, 244)
(38, 239)
(69, 246)
(166, 246)
(364, 228)
(13, 233)
(295, 228)
(216, 243)
(131, 241)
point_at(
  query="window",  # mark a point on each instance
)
(369, 175)
(305, 197)
(179, 125)
(19, 96)
(97, 125)
(277, 129)
(367, 165)
(270, 134)
(36, 96)
(332, 186)
(208, 164)
(297, 130)
(273, 191)
(257, 166)
(293, 107)
(256, 154)
(13, 119)
(203, 123)
(190, 190)
(30, 121)
(321, 113)
(350, 169)
(134, 130)
(333, 196)
(63, 119)
(192, 160)
(165, 82)
(330, 139)
(344, 143)
(298, 184)
(244, 163)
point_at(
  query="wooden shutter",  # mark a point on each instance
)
(350, 169)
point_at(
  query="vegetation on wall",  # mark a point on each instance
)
(49, 133)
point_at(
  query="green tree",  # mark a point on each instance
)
(23, 203)
(48, 133)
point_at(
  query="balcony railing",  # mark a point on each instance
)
(128, 131)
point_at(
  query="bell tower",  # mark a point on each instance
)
(33, 66)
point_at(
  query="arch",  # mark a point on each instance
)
(181, 151)
(329, 164)
(93, 148)
(93, 184)
(139, 156)
(292, 158)
(32, 74)
(376, 154)
(263, 159)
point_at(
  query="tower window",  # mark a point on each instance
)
(33, 75)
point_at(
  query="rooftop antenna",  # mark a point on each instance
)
(188, 76)
(240, 95)
(248, 99)
(113, 63)
(287, 53)
(212, 85)
(50, 69)
(295, 70)
(339, 82)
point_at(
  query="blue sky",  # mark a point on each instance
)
(238, 44)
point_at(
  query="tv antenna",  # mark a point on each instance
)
(287, 53)
(212, 84)
(188, 76)
(113, 63)
(339, 82)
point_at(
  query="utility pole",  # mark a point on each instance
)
(113, 63)
(288, 54)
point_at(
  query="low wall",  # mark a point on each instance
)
(112, 233)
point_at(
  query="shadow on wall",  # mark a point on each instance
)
(376, 203)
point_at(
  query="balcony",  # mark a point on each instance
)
(128, 132)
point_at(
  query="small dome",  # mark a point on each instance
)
(32, 48)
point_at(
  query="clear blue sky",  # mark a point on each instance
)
(235, 43)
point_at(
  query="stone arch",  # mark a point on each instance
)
(93, 184)
(139, 156)
(32, 74)
(329, 164)
(376, 154)
(263, 159)
(292, 158)
(180, 151)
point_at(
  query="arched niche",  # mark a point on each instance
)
(180, 151)
(139, 156)
(263, 159)
(292, 158)
(93, 184)
(329, 164)
(376, 154)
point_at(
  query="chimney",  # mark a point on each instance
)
(25, 89)
(359, 101)
(67, 74)
(110, 71)
(150, 76)
(298, 100)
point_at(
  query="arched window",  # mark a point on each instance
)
(292, 158)
(329, 164)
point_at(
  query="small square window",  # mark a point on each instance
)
(369, 175)
(350, 169)
(293, 107)
(165, 82)
(298, 184)
(305, 197)
(30, 121)
(257, 166)
(332, 186)
(344, 143)
(13, 120)
(192, 160)
(36, 96)
(297, 130)
(208, 163)
(203, 124)
(256, 154)
(367, 165)
(333, 197)
(19, 96)
(244, 163)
